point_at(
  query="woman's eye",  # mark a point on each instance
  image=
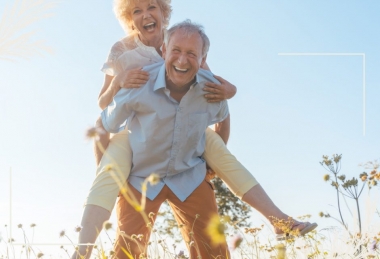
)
(136, 11)
(152, 7)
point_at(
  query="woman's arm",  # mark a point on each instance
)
(223, 129)
(218, 92)
(133, 78)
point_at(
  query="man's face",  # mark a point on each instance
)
(183, 57)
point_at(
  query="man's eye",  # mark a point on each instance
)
(192, 55)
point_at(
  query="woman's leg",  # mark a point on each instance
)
(111, 174)
(239, 179)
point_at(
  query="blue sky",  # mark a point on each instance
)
(288, 112)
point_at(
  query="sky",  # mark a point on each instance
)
(289, 109)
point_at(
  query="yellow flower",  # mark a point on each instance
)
(153, 179)
(281, 251)
(215, 230)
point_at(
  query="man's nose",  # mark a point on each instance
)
(182, 59)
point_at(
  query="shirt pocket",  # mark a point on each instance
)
(196, 126)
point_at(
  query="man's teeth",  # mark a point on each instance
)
(179, 69)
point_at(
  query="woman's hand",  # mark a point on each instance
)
(134, 78)
(221, 92)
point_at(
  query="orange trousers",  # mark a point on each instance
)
(193, 215)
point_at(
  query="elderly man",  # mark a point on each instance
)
(167, 118)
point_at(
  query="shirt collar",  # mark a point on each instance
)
(161, 79)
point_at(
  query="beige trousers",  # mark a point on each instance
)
(114, 169)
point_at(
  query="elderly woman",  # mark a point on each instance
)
(146, 22)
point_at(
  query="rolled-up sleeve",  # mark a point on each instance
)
(222, 114)
(118, 111)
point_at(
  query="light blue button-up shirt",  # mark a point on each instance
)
(166, 137)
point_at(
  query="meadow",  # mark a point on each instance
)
(354, 220)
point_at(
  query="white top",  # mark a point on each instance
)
(129, 53)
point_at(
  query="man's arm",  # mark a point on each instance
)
(223, 129)
(118, 111)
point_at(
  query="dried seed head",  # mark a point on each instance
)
(94, 133)
(78, 228)
(107, 225)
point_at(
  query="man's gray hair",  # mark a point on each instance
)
(188, 28)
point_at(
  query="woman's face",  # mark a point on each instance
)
(147, 20)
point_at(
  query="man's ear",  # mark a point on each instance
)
(203, 61)
(163, 50)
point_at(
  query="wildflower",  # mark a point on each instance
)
(19, 225)
(215, 230)
(39, 255)
(108, 168)
(236, 241)
(342, 177)
(326, 177)
(337, 158)
(374, 246)
(197, 216)
(326, 161)
(32, 225)
(62, 233)
(281, 251)
(181, 255)
(107, 225)
(153, 179)
(321, 214)
(151, 215)
(78, 228)
(94, 133)
(363, 176)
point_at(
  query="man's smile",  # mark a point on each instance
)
(182, 70)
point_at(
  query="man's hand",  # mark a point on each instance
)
(221, 92)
